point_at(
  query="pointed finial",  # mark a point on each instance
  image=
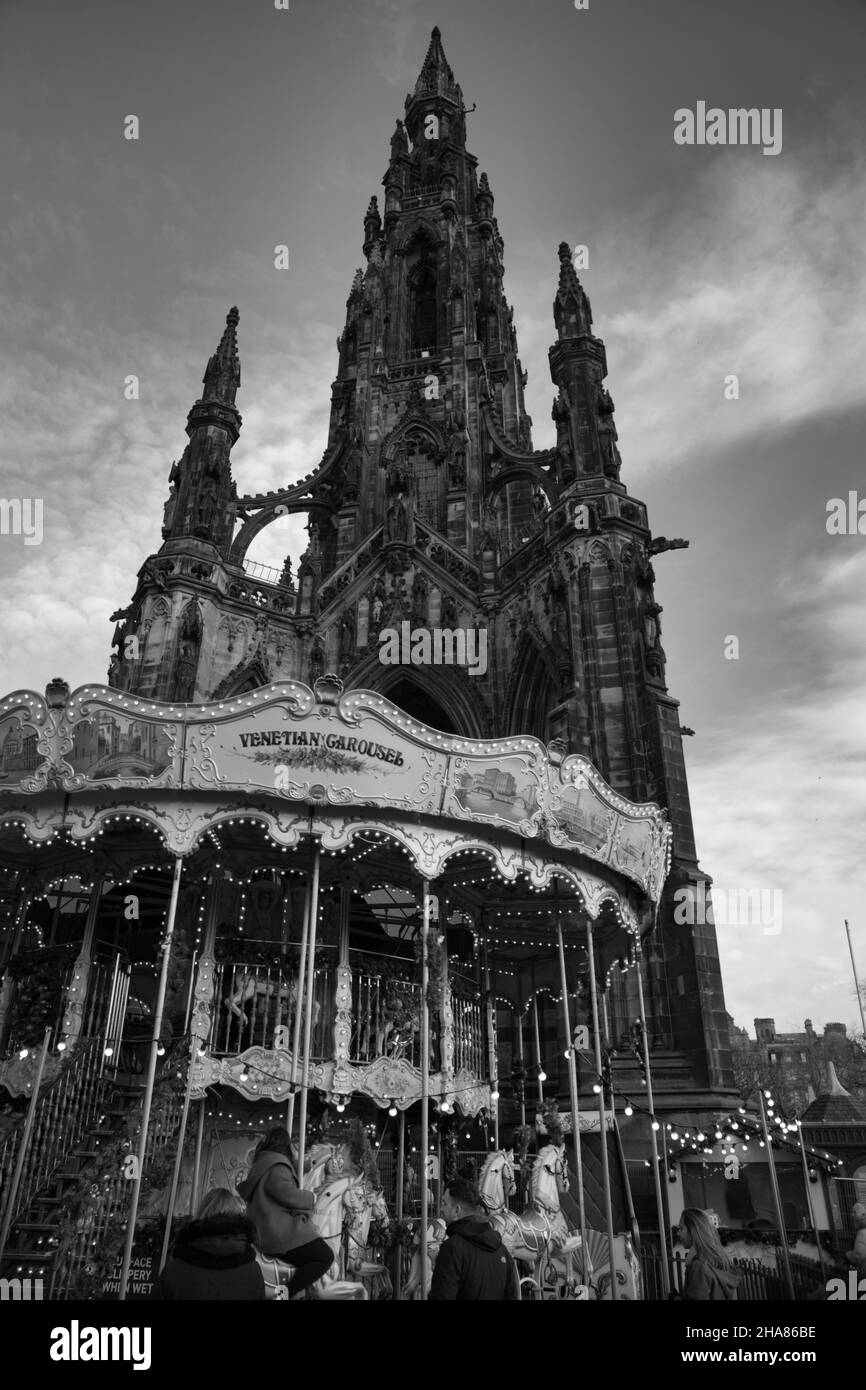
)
(223, 372)
(571, 311)
(836, 1087)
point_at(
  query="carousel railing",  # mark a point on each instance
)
(385, 1017)
(252, 1001)
(105, 1219)
(65, 1110)
(470, 1044)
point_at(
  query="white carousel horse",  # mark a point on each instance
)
(436, 1232)
(361, 1205)
(541, 1236)
(526, 1237)
(344, 1198)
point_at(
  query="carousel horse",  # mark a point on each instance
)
(529, 1237)
(568, 1267)
(344, 1199)
(540, 1237)
(436, 1232)
(362, 1205)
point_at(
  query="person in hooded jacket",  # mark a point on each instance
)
(710, 1274)
(214, 1256)
(473, 1264)
(282, 1212)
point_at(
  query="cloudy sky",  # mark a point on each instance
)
(260, 127)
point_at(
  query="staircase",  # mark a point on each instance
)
(65, 1174)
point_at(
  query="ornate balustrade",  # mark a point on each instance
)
(367, 1018)
(66, 1107)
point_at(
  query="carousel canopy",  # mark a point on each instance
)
(321, 763)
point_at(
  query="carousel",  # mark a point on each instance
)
(303, 907)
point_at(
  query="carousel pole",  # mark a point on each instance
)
(55, 916)
(284, 923)
(178, 1158)
(489, 1010)
(808, 1187)
(12, 1190)
(308, 1014)
(521, 1059)
(777, 1199)
(151, 1078)
(660, 1206)
(184, 1117)
(425, 1079)
(495, 1018)
(14, 938)
(605, 1157)
(537, 1039)
(575, 1097)
(398, 1201)
(299, 991)
(196, 1166)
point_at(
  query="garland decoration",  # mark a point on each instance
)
(40, 978)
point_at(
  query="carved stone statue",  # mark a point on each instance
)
(419, 600)
(169, 510)
(347, 638)
(652, 629)
(449, 617)
(399, 476)
(317, 660)
(539, 506)
(352, 473)
(459, 441)
(397, 522)
(377, 605)
(184, 676)
(156, 575)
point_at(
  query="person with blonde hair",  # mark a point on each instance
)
(214, 1256)
(710, 1274)
(856, 1256)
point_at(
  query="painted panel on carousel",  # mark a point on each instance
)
(588, 814)
(113, 747)
(19, 755)
(504, 790)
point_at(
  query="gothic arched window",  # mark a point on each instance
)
(424, 309)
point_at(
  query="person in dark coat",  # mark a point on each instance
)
(214, 1256)
(710, 1275)
(282, 1212)
(473, 1264)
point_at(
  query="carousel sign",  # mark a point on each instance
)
(320, 748)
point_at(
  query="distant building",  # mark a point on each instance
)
(795, 1064)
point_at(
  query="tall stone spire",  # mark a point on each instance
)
(223, 372)
(203, 496)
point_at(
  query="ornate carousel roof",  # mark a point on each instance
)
(325, 763)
